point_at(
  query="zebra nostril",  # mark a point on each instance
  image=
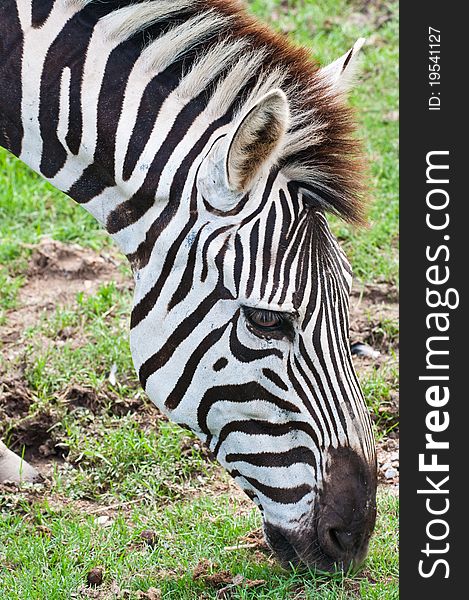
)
(338, 542)
(343, 540)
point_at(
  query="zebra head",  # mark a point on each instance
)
(167, 121)
(240, 332)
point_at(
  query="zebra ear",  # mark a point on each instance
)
(340, 74)
(257, 138)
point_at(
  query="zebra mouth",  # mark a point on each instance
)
(281, 547)
(295, 550)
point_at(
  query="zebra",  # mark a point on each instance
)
(211, 149)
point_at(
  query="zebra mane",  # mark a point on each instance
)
(222, 50)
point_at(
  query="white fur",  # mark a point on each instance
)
(271, 110)
(341, 73)
(125, 22)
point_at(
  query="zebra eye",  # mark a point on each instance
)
(267, 321)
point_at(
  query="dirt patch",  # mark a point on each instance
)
(57, 272)
(15, 399)
(54, 260)
(374, 315)
(100, 401)
(227, 582)
(189, 445)
(33, 433)
(24, 429)
(388, 463)
(36, 429)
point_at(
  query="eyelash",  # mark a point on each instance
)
(283, 326)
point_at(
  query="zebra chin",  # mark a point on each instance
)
(335, 535)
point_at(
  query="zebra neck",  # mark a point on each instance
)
(116, 127)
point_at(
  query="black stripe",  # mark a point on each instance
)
(11, 50)
(93, 181)
(315, 280)
(227, 213)
(75, 117)
(153, 97)
(110, 101)
(275, 379)
(265, 197)
(146, 304)
(220, 364)
(291, 255)
(300, 454)
(284, 241)
(267, 252)
(253, 246)
(214, 235)
(246, 355)
(143, 253)
(184, 329)
(187, 278)
(238, 264)
(40, 11)
(303, 271)
(302, 394)
(244, 392)
(132, 210)
(305, 354)
(252, 427)
(330, 399)
(331, 321)
(62, 53)
(184, 381)
(280, 495)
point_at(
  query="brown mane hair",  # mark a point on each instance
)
(321, 153)
(338, 158)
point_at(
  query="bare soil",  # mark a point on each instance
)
(372, 309)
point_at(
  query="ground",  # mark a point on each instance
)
(132, 506)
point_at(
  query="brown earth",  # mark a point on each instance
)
(371, 308)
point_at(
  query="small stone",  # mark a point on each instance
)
(393, 115)
(390, 473)
(238, 579)
(112, 375)
(364, 350)
(150, 537)
(95, 577)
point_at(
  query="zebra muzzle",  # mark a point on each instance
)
(336, 534)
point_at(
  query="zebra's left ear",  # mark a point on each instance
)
(255, 142)
(340, 74)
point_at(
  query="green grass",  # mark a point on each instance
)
(330, 28)
(48, 553)
(378, 386)
(99, 320)
(152, 469)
